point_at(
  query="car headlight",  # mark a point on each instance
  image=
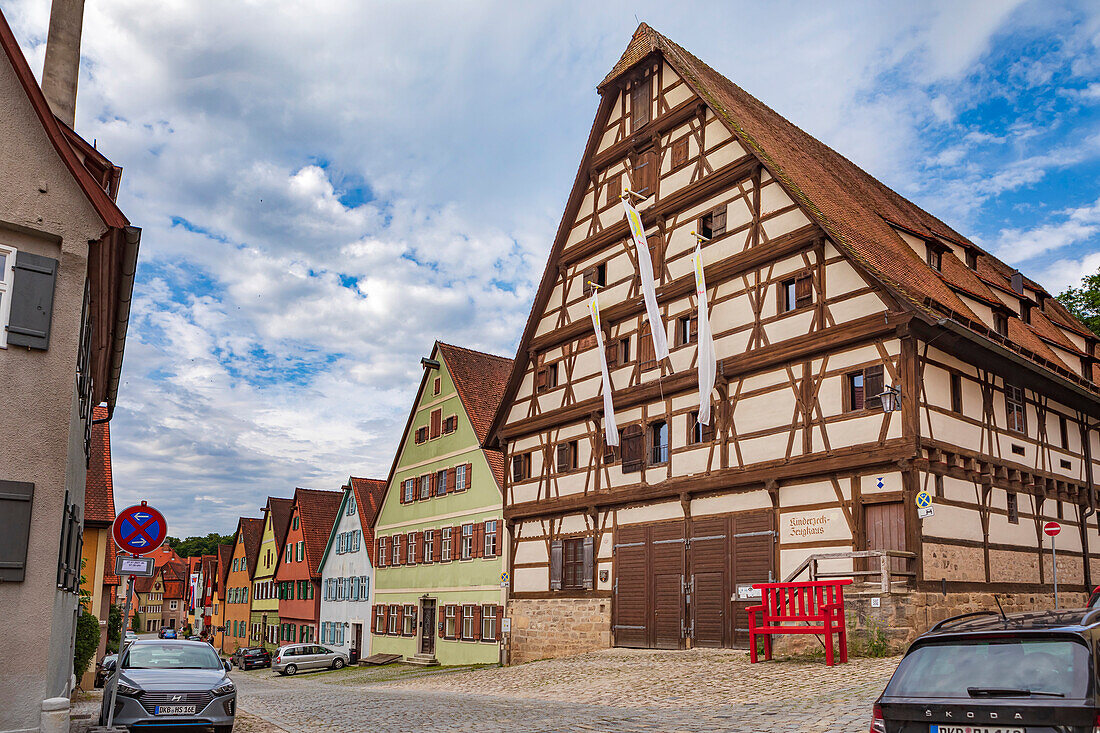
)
(128, 690)
(225, 688)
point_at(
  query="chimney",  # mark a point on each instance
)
(62, 66)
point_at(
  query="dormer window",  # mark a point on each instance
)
(1025, 311)
(972, 259)
(935, 257)
(1000, 323)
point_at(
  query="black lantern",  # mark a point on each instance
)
(891, 399)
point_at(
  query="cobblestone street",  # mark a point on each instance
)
(615, 690)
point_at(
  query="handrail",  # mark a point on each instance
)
(883, 571)
(961, 616)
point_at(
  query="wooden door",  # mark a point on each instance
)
(667, 555)
(753, 557)
(427, 626)
(357, 644)
(708, 601)
(630, 624)
(884, 525)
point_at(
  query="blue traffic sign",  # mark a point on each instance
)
(139, 529)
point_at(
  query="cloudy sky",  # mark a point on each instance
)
(325, 188)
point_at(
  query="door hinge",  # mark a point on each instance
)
(688, 585)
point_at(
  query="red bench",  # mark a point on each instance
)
(817, 605)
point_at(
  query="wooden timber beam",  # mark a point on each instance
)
(720, 180)
(800, 347)
(755, 477)
(749, 259)
(675, 117)
(994, 470)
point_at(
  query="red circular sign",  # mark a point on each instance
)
(1052, 528)
(139, 529)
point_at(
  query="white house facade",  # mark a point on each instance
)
(347, 570)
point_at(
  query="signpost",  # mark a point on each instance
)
(924, 505)
(138, 530)
(1052, 529)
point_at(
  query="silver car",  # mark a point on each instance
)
(293, 657)
(167, 682)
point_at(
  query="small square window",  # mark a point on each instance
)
(658, 442)
(935, 257)
(1000, 323)
(546, 377)
(438, 386)
(697, 432)
(956, 394)
(797, 292)
(1013, 509)
(687, 330)
(972, 259)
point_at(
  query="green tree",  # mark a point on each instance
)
(196, 546)
(1084, 302)
(114, 629)
(87, 640)
(135, 622)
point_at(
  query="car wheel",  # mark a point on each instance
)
(337, 663)
(290, 669)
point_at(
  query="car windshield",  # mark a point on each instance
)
(994, 668)
(171, 656)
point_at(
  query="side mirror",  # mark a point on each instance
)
(109, 664)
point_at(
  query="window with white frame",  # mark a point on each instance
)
(429, 545)
(410, 490)
(364, 588)
(393, 621)
(410, 620)
(7, 276)
(490, 538)
(354, 587)
(460, 477)
(445, 548)
(351, 505)
(468, 622)
(467, 547)
(397, 549)
(411, 557)
(450, 620)
(488, 623)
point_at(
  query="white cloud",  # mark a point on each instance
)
(1076, 225)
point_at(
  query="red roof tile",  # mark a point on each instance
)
(480, 380)
(496, 465)
(225, 557)
(99, 491)
(280, 518)
(109, 578)
(369, 493)
(253, 530)
(317, 513)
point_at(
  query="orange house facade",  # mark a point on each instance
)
(238, 583)
(298, 577)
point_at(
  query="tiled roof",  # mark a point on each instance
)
(496, 464)
(317, 513)
(165, 554)
(109, 578)
(225, 556)
(369, 493)
(280, 518)
(480, 380)
(253, 530)
(143, 585)
(99, 491)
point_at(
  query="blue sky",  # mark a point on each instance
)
(327, 188)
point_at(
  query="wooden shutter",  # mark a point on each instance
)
(400, 611)
(640, 103)
(611, 352)
(541, 379)
(420, 546)
(872, 386)
(587, 277)
(500, 622)
(646, 356)
(31, 300)
(614, 190)
(517, 468)
(632, 448)
(693, 329)
(477, 621)
(679, 152)
(431, 479)
(415, 614)
(718, 222)
(589, 562)
(437, 544)
(563, 457)
(452, 477)
(555, 565)
(470, 476)
(16, 499)
(437, 423)
(479, 539)
(441, 621)
(803, 292)
(456, 542)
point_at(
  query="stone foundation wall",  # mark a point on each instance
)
(557, 627)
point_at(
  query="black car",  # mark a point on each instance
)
(987, 672)
(251, 658)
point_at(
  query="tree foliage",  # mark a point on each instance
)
(135, 622)
(1084, 302)
(114, 629)
(87, 640)
(196, 546)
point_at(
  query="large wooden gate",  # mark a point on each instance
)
(676, 581)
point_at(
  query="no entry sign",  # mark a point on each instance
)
(1052, 528)
(139, 529)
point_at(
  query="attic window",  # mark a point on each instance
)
(594, 276)
(640, 103)
(935, 257)
(1025, 311)
(1000, 323)
(972, 259)
(713, 223)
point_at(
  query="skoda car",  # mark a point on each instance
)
(988, 672)
(172, 683)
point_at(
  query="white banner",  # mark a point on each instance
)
(707, 358)
(645, 271)
(610, 427)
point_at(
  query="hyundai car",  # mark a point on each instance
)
(990, 672)
(171, 683)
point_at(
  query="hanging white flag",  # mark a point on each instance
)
(707, 358)
(610, 427)
(645, 271)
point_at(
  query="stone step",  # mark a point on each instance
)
(422, 660)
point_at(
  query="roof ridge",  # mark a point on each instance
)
(473, 351)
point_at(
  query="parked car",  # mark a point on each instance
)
(987, 671)
(251, 657)
(171, 683)
(167, 633)
(194, 638)
(130, 635)
(294, 657)
(102, 670)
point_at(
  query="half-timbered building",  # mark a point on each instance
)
(829, 294)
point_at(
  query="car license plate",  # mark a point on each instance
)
(178, 710)
(974, 729)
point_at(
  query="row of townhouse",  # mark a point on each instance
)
(410, 565)
(864, 350)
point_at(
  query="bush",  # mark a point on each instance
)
(87, 640)
(135, 623)
(114, 629)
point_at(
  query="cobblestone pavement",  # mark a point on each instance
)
(613, 690)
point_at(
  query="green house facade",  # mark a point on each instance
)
(440, 539)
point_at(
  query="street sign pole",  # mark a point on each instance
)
(121, 641)
(1054, 557)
